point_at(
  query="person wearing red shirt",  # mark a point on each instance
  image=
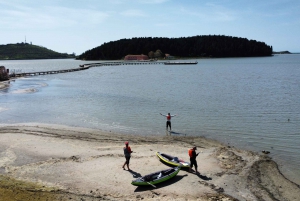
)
(168, 123)
(127, 154)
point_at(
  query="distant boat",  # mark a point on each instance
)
(181, 62)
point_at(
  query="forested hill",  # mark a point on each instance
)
(196, 46)
(29, 51)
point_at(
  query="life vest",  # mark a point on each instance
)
(191, 152)
(168, 117)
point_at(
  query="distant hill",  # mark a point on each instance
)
(29, 51)
(187, 47)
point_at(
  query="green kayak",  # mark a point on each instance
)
(156, 177)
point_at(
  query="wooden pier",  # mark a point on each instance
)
(47, 72)
(118, 63)
(87, 66)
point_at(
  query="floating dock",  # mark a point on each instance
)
(180, 63)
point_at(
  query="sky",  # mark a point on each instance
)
(77, 26)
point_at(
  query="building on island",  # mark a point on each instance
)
(136, 57)
(3, 73)
(168, 56)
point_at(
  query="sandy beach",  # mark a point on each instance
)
(52, 162)
(4, 85)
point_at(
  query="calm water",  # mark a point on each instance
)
(250, 103)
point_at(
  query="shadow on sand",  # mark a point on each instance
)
(174, 133)
(203, 177)
(134, 174)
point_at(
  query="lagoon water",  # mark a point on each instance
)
(249, 103)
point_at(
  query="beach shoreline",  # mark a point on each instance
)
(4, 84)
(60, 163)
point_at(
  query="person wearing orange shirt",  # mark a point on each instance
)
(193, 155)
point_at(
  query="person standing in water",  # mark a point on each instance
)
(168, 123)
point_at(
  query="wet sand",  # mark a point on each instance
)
(52, 162)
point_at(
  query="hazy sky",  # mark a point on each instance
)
(76, 26)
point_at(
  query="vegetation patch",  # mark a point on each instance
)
(12, 189)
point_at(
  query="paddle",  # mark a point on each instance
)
(148, 183)
(151, 184)
(198, 153)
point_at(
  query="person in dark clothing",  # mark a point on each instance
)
(193, 155)
(127, 154)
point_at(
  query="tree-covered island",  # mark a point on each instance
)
(29, 51)
(184, 47)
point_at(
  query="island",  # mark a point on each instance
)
(207, 46)
(23, 51)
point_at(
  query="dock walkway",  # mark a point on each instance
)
(89, 65)
(47, 72)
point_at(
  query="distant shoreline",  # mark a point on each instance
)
(286, 52)
(176, 58)
(36, 59)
